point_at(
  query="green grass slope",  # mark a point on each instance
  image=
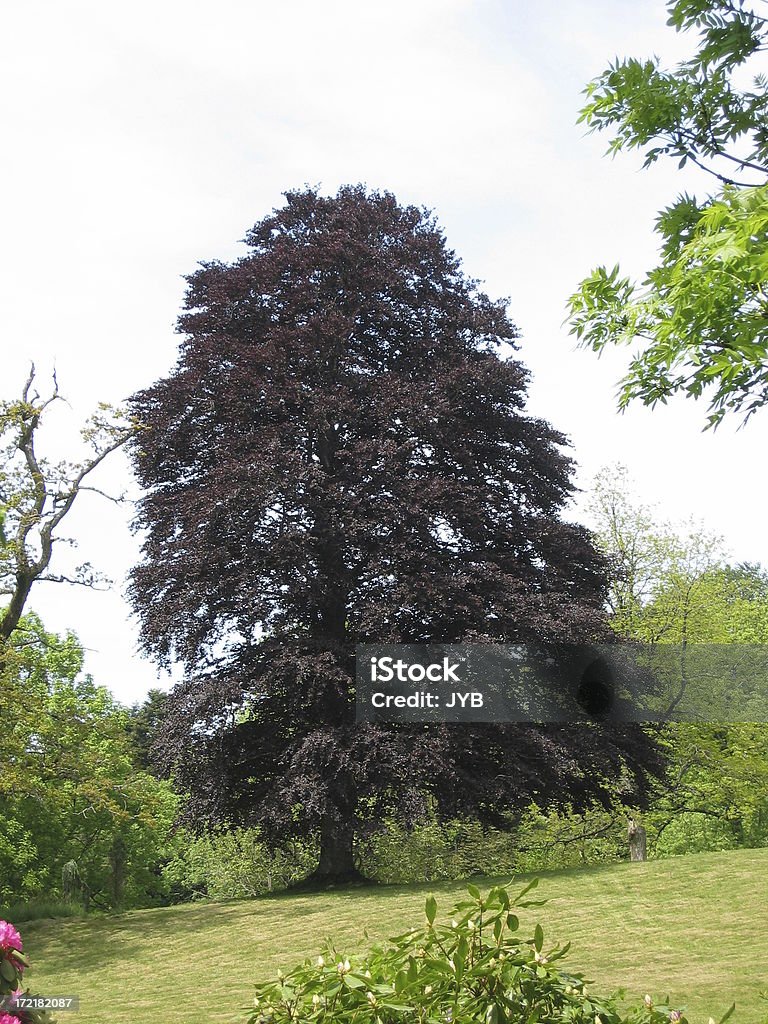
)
(693, 927)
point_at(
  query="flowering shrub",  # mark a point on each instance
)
(12, 966)
(478, 968)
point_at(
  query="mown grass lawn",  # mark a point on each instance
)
(693, 927)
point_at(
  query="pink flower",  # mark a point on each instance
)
(9, 939)
(8, 1018)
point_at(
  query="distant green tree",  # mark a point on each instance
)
(717, 788)
(659, 575)
(145, 720)
(69, 787)
(673, 586)
(701, 315)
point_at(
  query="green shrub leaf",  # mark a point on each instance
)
(727, 1013)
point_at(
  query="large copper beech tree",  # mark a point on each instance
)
(341, 455)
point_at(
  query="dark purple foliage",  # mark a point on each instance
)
(342, 456)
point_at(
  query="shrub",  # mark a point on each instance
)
(554, 839)
(691, 832)
(434, 850)
(478, 968)
(39, 910)
(233, 864)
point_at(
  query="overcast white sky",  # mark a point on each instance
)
(141, 138)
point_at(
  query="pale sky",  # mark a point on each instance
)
(142, 138)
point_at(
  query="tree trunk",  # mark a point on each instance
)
(637, 840)
(12, 614)
(117, 863)
(337, 863)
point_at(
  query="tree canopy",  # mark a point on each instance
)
(673, 585)
(70, 789)
(699, 320)
(342, 456)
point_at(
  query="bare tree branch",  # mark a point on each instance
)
(35, 497)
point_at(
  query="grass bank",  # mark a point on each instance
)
(693, 927)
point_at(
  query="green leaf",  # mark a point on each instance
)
(431, 909)
(559, 953)
(474, 892)
(727, 1013)
(531, 885)
(441, 966)
(7, 971)
(538, 938)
